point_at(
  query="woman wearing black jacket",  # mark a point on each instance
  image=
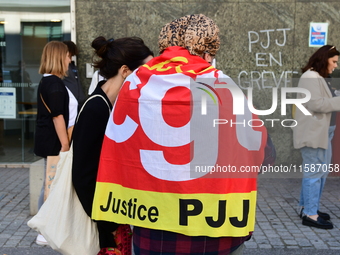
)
(118, 58)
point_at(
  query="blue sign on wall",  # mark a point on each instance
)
(7, 103)
(318, 34)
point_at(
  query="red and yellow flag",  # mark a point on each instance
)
(175, 157)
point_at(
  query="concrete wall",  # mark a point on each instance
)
(280, 27)
(37, 170)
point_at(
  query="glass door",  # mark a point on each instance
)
(24, 31)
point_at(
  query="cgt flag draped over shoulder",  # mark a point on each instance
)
(175, 157)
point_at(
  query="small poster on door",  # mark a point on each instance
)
(7, 103)
(318, 34)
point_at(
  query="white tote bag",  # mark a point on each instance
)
(62, 219)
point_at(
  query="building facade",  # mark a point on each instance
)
(264, 44)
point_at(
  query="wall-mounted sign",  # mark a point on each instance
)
(7, 103)
(318, 33)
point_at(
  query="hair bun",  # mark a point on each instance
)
(99, 44)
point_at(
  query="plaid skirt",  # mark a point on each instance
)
(156, 242)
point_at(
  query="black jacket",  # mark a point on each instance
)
(53, 91)
(88, 135)
(73, 83)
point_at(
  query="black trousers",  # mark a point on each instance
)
(105, 229)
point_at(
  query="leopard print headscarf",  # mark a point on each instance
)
(197, 33)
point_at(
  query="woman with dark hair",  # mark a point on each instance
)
(314, 133)
(117, 59)
(72, 81)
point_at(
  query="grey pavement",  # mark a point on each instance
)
(278, 228)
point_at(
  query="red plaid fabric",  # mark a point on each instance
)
(155, 242)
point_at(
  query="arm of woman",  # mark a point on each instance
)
(59, 125)
(319, 101)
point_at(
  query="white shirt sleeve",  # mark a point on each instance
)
(95, 79)
(73, 108)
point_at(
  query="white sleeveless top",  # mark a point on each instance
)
(73, 108)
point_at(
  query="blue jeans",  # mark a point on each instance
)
(315, 164)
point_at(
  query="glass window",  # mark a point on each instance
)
(25, 28)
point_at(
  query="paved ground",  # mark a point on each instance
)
(278, 228)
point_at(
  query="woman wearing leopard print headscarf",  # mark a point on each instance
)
(193, 37)
(174, 209)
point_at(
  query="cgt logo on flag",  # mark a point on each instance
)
(155, 139)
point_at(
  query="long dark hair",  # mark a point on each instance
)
(319, 60)
(113, 54)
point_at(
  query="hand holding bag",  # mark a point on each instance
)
(62, 219)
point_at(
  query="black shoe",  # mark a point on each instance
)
(320, 223)
(324, 216)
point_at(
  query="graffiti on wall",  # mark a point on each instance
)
(266, 59)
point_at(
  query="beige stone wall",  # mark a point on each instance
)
(264, 42)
